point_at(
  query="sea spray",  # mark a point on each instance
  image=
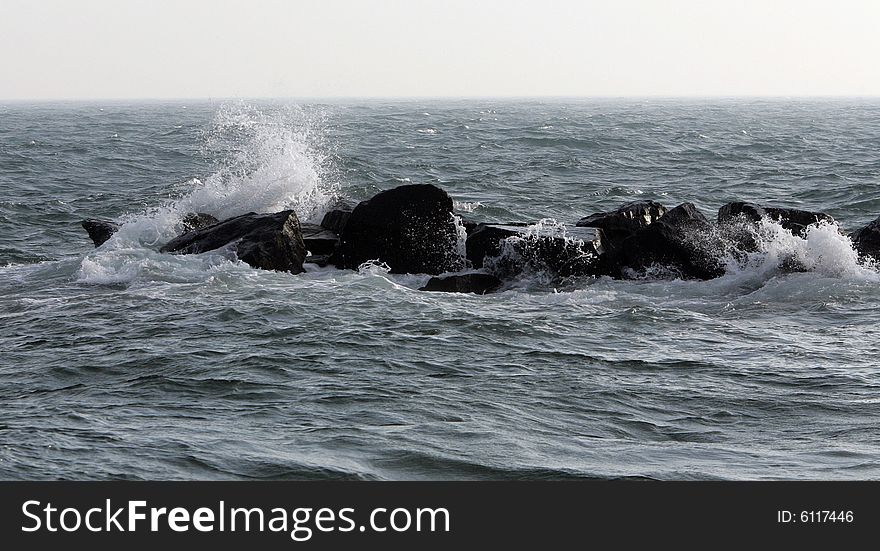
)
(459, 251)
(265, 161)
(822, 249)
(544, 253)
(374, 267)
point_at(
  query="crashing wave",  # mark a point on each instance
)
(266, 162)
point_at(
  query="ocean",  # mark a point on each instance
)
(124, 363)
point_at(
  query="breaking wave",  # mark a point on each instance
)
(526, 254)
(823, 249)
(265, 161)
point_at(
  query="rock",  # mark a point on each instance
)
(749, 211)
(266, 241)
(464, 283)
(197, 221)
(507, 250)
(622, 222)
(867, 240)
(410, 228)
(100, 230)
(794, 220)
(319, 241)
(337, 217)
(682, 240)
(469, 225)
(485, 241)
(741, 236)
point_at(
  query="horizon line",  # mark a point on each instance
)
(449, 97)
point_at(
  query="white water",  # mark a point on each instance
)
(267, 163)
(824, 250)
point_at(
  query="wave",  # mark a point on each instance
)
(824, 250)
(821, 261)
(264, 162)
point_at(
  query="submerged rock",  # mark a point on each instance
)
(794, 220)
(197, 221)
(867, 240)
(622, 222)
(266, 241)
(410, 228)
(464, 283)
(100, 230)
(682, 240)
(508, 250)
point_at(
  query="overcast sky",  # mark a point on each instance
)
(275, 48)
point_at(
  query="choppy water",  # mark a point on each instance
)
(124, 363)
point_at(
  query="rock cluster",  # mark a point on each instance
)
(412, 229)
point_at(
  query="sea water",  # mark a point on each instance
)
(121, 362)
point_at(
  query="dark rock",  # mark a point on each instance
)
(749, 211)
(100, 230)
(337, 217)
(622, 222)
(469, 225)
(867, 240)
(794, 220)
(681, 240)
(464, 283)
(197, 221)
(319, 241)
(507, 250)
(410, 228)
(485, 241)
(684, 214)
(266, 241)
(740, 235)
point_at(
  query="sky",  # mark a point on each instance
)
(127, 49)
